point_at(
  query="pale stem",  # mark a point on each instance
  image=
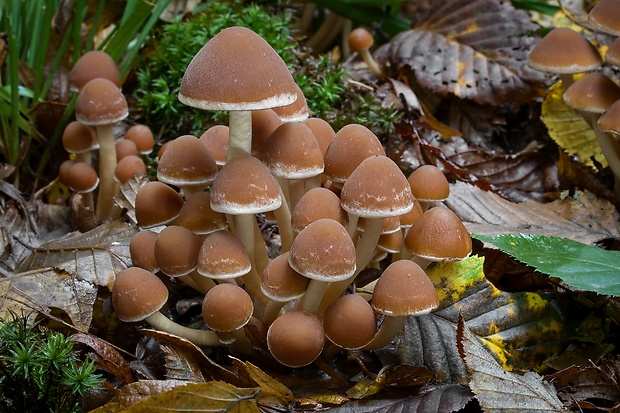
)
(239, 133)
(312, 298)
(272, 311)
(391, 326)
(199, 337)
(371, 63)
(283, 219)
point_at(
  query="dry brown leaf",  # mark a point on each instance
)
(41, 290)
(272, 392)
(590, 387)
(498, 390)
(106, 356)
(475, 50)
(582, 217)
(143, 389)
(95, 256)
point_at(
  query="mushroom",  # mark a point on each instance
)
(215, 139)
(317, 203)
(323, 252)
(565, 52)
(350, 322)
(609, 122)
(612, 55)
(129, 167)
(223, 258)
(157, 204)
(605, 17)
(296, 338)
(428, 185)
(142, 136)
(139, 295)
(178, 262)
(78, 139)
(323, 132)
(92, 65)
(196, 215)
(402, 290)
(125, 147)
(101, 104)
(297, 111)
(237, 71)
(360, 41)
(142, 250)
(264, 122)
(83, 179)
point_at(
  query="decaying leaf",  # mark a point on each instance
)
(212, 397)
(518, 328)
(475, 50)
(106, 356)
(498, 390)
(579, 265)
(582, 217)
(41, 290)
(126, 198)
(593, 387)
(430, 399)
(95, 256)
(569, 129)
(401, 375)
(272, 392)
(136, 392)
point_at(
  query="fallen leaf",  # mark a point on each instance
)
(141, 390)
(520, 329)
(396, 375)
(95, 256)
(41, 290)
(498, 390)
(579, 265)
(594, 387)
(106, 356)
(475, 50)
(582, 217)
(569, 129)
(214, 396)
(272, 392)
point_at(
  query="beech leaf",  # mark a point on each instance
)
(272, 392)
(579, 265)
(582, 217)
(475, 50)
(212, 397)
(498, 390)
(520, 329)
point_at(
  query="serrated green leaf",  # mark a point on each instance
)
(582, 266)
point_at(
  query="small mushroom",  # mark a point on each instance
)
(428, 185)
(360, 41)
(157, 204)
(296, 338)
(349, 322)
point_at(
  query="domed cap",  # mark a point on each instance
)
(142, 136)
(215, 139)
(196, 215)
(245, 186)
(237, 70)
(83, 177)
(157, 204)
(176, 250)
(593, 93)
(609, 121)
(404, 289)
(223, 256)
(429, 184)
(323, 132)
(297, 111)
(292, 152)
(605, 17)
(296, 338)
(439, 235)
(612, 56)
(323, 251)
(77, 138)
(227, 307)
(137, 294)
(349, 147)
(186, 162)
(564, 50)
(279, 282)
(142, 250)
(100, 102)
(128, 167)
(315, 204)
(92, 65)
(264, 122)
(366, 196)
(349, 322)
(360, 39)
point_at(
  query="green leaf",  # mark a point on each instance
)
(582, 266)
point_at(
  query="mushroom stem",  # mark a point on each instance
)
(391, 326)
(609, 145)
(567, 79)
(371, 63)
(240, 133)
(272, 311)
(198, 337)
(283, 218)
(312, 298)
(107, 165)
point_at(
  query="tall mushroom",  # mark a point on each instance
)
(237, 71)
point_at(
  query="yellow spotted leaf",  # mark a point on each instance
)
(568, 129)
(519, 329)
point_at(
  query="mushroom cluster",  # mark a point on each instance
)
(99, 106)
(339, 203)
(594, 95)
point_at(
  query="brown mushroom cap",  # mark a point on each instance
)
(404, 289)
(91, 65)
(176, 250)
(315, 204)
(323, 132)
(187, 162)
(223, 256)
(349, 147)
(439, 235)
(137, 294)
(360, 39)
(142, 136)
(128, 167)
(323, 251)
(142, 250)
(349, 322)
(237, 70)
(63, 171)
(157, 204)
(264, 122)
(215, 139)
(605, 17)
(279, 282)
(82, 177)
(429, 184)
(100, 102)
(245, 186)
(407, 219)
(196, 215)
(77, 138)
(610, 120)
(227, 307)
(593, 93)
(564, 50)
(612, 56)
(296, 338)
(365, 196)
(297, 111)
(125, 148)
